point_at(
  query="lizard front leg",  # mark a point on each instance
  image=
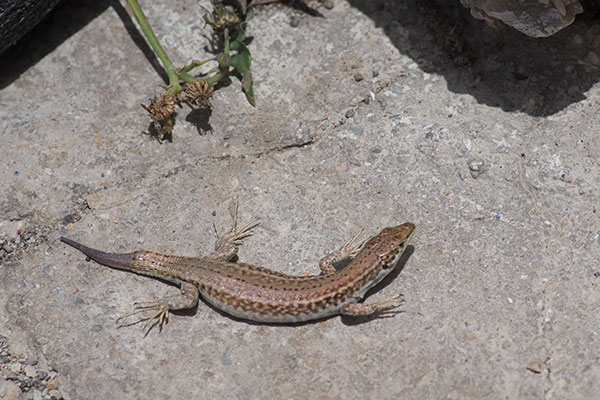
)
(348, 251)
(383, 306)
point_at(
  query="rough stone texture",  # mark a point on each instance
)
(535, 18)
(494, 158)
(17, 17)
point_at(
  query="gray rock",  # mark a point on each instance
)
(18, 17)
(9, 390)
(535, 18)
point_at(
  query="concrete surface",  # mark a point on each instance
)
(362, 121)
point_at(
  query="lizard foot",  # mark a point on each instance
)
(382, 308)
(352, 247)
(235, 236)
(161, 314)
(386, 307)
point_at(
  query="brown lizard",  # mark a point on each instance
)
(259, 294)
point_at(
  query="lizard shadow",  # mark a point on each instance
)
(346, 320)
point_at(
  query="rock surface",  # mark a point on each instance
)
(17, 17)
(535, 18)
(495, 160)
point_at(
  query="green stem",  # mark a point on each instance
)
(215, 78)
(195, 64)
(174, 86)
(226, 40)
(187, 78)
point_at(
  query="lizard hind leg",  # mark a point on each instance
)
(227, 245)
(188, 298)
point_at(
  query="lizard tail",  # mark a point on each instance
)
(115, 260)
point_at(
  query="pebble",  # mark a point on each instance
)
(67, 219)
(23, 378)
(30, 371)
(477, 167)
(15, 368)
(535, 367)
(9, 390)
(10, 376)
(593, 58)
(29, 233)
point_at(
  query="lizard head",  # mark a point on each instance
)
(390, 243)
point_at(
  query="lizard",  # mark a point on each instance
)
(259, 294)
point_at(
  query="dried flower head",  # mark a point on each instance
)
(199, 93)
(161, 108)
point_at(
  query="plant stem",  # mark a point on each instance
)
(187, 78)
(174, 86)
(215, 78)
(195, 64)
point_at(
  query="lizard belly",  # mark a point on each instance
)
(275, 313)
